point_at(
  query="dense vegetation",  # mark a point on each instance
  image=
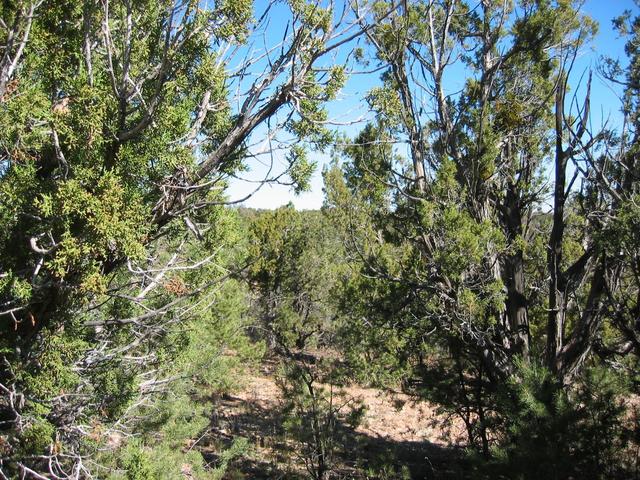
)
(479, 247)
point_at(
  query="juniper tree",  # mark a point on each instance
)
(121, 124)
(466, 276)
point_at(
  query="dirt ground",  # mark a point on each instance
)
(390, 416)
(397, 437)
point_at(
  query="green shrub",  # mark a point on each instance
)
(555, 432)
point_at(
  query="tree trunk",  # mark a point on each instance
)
(557, 297)
(513, 275)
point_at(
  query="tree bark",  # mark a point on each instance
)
(557, 296)
(513, 275)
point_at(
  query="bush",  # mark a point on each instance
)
(554, 432)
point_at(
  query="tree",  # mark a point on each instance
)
(121, 127)
(292, 270)
(614, 175)
(465, 278)
(294, 263)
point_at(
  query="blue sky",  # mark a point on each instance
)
(350, 107)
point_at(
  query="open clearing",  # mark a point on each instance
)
(398, 437)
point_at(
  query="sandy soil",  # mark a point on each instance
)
(412, 434)
(391, 416)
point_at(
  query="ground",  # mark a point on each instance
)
(398, 437)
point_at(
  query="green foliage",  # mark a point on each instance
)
(38, 436)
(127, 288)
(555, 433)
(94, 125)
(291, 275)
(448, 291)
(238, 448)
(115, 388)
(317, 414)
(300, 169)
(136, 463)
(211, 356)
(295, 263)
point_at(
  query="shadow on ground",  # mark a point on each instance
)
(357, 456)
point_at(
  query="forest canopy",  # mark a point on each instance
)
(478, 249)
